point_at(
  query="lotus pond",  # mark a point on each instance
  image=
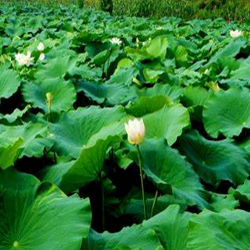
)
(73, 178)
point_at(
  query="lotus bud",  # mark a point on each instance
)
(206, 71)
(49, 97)
(15, 244)
(159, 28)
(135, 130)
(42, 57)
(214, 86)
(136, 81)
(40, 47)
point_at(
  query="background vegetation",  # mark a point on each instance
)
(47, 2)
(228, 9)
(237, 10)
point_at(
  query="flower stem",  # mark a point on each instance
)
(50, 114)
(102, 203)
(154, 203)
(142, 184)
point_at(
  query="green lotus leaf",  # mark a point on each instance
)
(146, 105)
(230, 50)
(167, 230)
(9, 82)
(172, 92)
(242, 192)
(63, 94)
(83, 127)
(54, 68)
(167, 123)
(134, 207)
(93, 47)
(34, 136)
(124, 76)
(152, 75)
(124, 63)
(157, 47)
(16, 114)
(39, 216)
(227, 112)
(110, 94)
(116, 90)
(215, 161)
(169, 170)
(55, 173)
(101, 58)
(171, 227)
(224, 230)
(87, 167)
(86, 73)
(181, 55)
(245, 144)
(9, 152)
(195, 96)
(241, 73)
(222, 202)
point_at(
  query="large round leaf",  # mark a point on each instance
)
(135, 205)
(146, 105)
(17, 113)
(83, 127)
(56, 68)
(34, 136)
(9, 152)
(167, 168)
(9, 82)
(167, 123)
(167, 230)
(227, 112)
(108, 93)
(39, 216)
(63, 92)
(195, 96)
(173, 92)
(230, 50)
(242, 192)
(171, 227)
(75, 174)
(222, 202)
(155, 48)
(220, 231)
(215, 161)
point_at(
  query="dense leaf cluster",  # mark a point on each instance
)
(64, 155)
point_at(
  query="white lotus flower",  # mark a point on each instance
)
(116, 40)
(23, 59)
(235, 33)
(41, 57)
(135, 130)
(206, 71)
(40, 47)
